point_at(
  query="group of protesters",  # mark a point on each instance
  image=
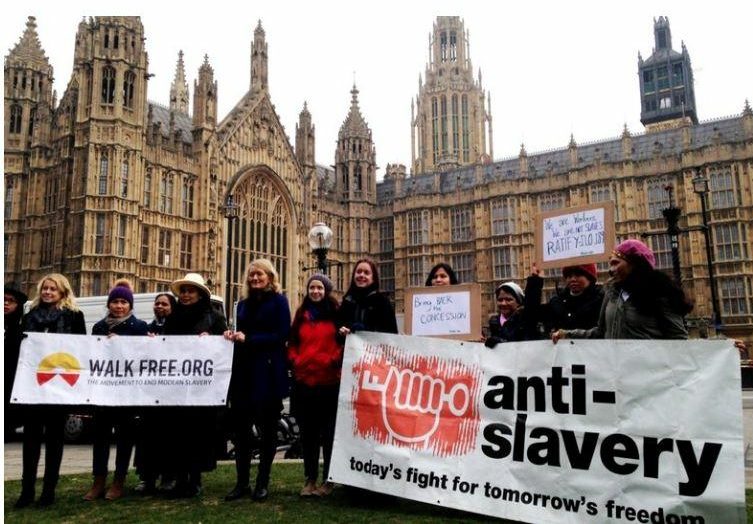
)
(276, 356)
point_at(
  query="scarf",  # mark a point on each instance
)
(113, 322)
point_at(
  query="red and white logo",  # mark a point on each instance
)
(60, 364)
(421, 402)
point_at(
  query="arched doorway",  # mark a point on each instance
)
(260, 229)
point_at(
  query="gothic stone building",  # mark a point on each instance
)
(104, 183)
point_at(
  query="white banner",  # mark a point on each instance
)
(123, 371)
(584, 431)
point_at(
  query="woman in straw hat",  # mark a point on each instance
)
(190, 451)
(260, 376)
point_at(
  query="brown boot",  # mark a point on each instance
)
(117, 488)
(98, 488)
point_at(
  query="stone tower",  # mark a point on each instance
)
(205, 99)
(666, 82)
(29, 101)
(259, 62)
(355, 157)
(451, 125)
(179, 88)
(304, 138)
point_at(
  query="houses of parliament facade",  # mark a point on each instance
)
(104, 183)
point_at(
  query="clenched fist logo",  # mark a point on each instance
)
(421, 402)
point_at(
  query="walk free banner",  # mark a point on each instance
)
(584, 431)
(123, 371)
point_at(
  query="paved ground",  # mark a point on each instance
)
(77, 458)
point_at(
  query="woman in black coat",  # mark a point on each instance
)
(13, 308)
(54, 310)
(120, 321)
(189, 438)
(512, 323)
(259, 380)
(364, 308)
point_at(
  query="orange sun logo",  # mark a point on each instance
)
(63, 364)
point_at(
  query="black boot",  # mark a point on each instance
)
(47, 498)
(238, 491)
(27, 495)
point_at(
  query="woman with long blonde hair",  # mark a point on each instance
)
(259, 380)
(53, 310)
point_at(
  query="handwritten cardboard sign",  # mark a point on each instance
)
(576, 235)
(444, 311)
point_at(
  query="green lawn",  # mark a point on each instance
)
(284, 505)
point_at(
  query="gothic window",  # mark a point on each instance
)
(107, 38)
(121, 240)
(50, 194)
(104, 168)
(661, 37)
(464, 265)
(386, 236)
(164, 248)
(357, 176)
(735, 301)
(460, 224)
(188, 193)
(418, 267)
(116, 40)
(727, 242)
(387, 277)
(418, 227)
(466, 128)
(124, 179)
(550, 201)
(600, 193)
(662, 248)
(32, 118)
(144, 244)
(357, 237)
(148, 187)
(677, 74)
(722, 186)
(129, 80)
(108, 85)
(679, 98)
(504, 263)
(444, 124)
(8, 199)
(503, 216)
(340, 236)
(186, 249)
(166, 194)
(453, 46)
(435, 128)
(648, 81)
(662, 78)
(16, 117)
(96, 284)
(443, 47)
(345, 176)
(99, 234)
(658, 197)
(455, 126)
(46, 249)
(665, 102)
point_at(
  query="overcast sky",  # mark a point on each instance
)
(553, 68)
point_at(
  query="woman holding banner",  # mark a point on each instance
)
(441, 275)
(13, 309)
(364, 308)
(316, 359)
(259, 381)
(190, 431)
(53, 310)
(120, 320)
(640, 301)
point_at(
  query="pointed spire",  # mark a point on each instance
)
(259, 60)
(747, 111)
(259, 29)
(523, 150)
(29, 48)
(625, 131)
(354, 124)
(179, 87)
(572, 142)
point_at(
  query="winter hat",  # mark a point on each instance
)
(587, 270)
(326, 282)
(635, 251)
(513, 289)
(11, 288)
(122, 289)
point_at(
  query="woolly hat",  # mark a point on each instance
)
(122, 289)
(587, 270)
(191, 279)
(513, 289)
(634, 251)
(326, 282)
(11, 288)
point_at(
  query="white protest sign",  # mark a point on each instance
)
(583, 432)
(123, 371)
(446, 311)
(577, 235)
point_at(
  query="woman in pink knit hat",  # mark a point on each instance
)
(640, 301)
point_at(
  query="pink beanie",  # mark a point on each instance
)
(634, 250)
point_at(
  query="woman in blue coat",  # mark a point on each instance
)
(259, 379)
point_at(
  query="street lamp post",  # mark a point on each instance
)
(701, 187)
(672, 215)
(230, 210)
(320, 240)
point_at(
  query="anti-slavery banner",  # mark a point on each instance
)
(584, 431)
(123, 371)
